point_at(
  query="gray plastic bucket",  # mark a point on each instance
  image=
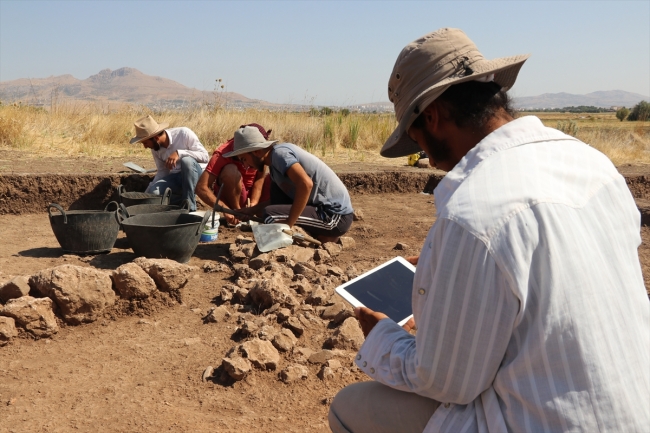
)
(84, 231)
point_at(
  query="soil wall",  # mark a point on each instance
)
(31, 193)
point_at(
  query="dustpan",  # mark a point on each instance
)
(271, 236)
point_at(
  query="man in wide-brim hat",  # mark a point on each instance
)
(528, 296)
(304, 191)
(179, 156)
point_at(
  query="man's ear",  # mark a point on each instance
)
(432, 117)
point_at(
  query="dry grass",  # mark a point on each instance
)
(95, 131)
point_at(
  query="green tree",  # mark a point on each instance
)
(345, 112)
(641, 111)
(325, 111)
(622, 113)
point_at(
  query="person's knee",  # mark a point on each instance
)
(230, 176)
(337, 410)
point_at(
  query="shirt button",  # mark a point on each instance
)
(446, 405)
(365, 363)
(358, 357)
(372, 370)
(421, 291)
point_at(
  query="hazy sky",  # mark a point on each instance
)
(327, 52)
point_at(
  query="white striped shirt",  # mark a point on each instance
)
(529, 299)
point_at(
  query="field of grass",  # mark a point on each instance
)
(94, 131)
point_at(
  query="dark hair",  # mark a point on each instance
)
(472, 104)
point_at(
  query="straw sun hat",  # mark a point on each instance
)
(145, 128)
(430, 65)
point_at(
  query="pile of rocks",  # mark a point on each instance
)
(276, 298)
(79, 295)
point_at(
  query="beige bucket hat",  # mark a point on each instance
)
(146, 127)
(248, 139)
(430, 65)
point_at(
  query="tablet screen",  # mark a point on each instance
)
(385, 289)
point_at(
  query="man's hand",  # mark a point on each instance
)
(412, 260)
(231, 219)
(171, 161)
(368, 319)
(410, 325)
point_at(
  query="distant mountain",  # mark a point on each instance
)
(124, 85)
(604, 99)
(128, 85)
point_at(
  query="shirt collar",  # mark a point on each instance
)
(524, 130)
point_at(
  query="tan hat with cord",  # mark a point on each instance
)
(248, 139)
(145, 128)
(430, 65)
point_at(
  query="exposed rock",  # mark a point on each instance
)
(301, 354)
(294, 372)
(357, 215)
(284, 341)
(294, 253)
(326, 373)
(212, 267)
(305, 270)
(168, 274)
(332, 311)
(351, 272)
(347, 243)
(248, 249)
(302, 287)
(131, 281)
(332, 248)
(321, 269)
(272, 291)
(225, 295)
(15, 288)
(240, 295)
(400, 246)
(249, 328)
(207, 373)
(81, 293)
(293, 323)
(36, 315)
(321, 255)
(320, 357)
(342, 316)
(261, 354)
(244, 271)
(334, 364)
(7, 329)
(318, 296)
(217, 315)
(335, 270)
(283, 314)
(259, 261)
(236, 367)
(347, 336)
(267, 332)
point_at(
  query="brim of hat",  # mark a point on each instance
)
(505, 70)
(251, 148)
(161, 127)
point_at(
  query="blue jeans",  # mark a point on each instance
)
(182, 183)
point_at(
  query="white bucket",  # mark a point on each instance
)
(210, 234)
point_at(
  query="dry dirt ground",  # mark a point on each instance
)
(139, 368)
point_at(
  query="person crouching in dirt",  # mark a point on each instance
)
(304, 191)
(239, 183)
(179, 156)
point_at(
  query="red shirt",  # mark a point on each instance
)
(218, 162)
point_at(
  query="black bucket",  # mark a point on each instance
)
(163, 235)
(136, 198)
(140, 209)
(84, 231)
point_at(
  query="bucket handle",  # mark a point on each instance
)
(110, 203)
(204, 221)
(166, 196)
(124, 211)
(186, 204)
(60, 209)
(120, 191)
(119, 216)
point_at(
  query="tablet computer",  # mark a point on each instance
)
(385, 289)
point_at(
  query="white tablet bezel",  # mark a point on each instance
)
(341, 291)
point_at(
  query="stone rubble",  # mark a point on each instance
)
(35, 315)
(15, 288)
